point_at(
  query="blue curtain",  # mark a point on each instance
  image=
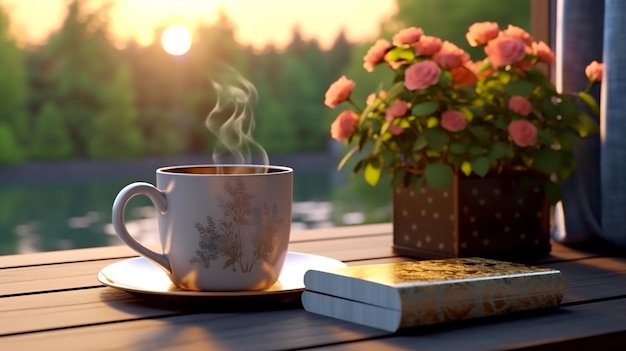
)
(613, 124)
(594, 199)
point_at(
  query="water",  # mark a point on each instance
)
(49, 211)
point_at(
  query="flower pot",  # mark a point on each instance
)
(499, 216)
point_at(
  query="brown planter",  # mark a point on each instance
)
(498, 216)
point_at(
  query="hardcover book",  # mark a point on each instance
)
(397, 295)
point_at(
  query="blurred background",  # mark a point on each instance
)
(95, 94)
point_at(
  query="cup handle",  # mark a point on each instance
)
(119, 206)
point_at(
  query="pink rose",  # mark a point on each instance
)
(480, 33)
(543, 52)
(450, 56)
(394, 129)
(421, 75)
(397, 109)
(453, 121)
(594, 71)
(344, 125)
(520, 105)
(338, 92)
(518, 32)
(505, 50)
(523, 132)
(407, 36)
(427, 46)
(375, 54)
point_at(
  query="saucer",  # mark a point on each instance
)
(138, 275)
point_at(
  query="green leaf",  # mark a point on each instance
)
(479, 133)
(498, 150)
(547, 160)
(520, 88)
(476, 151)
(425, 108)
(504, 77)
(445, 77)
(590, 101)
(567, 110)
(480, 165)
(372, 173)
(438, 175)
(469, 115)
(584, 125)
(466, 168)
(400, 53)
(544, 137)
(548, 109)
(484, 66)
(566, 138)
(458, 148)
(358, 166)
(420, 143)
(437, 138)
(347, 157)
(500, 123)
(553, 192)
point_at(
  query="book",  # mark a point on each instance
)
(392, 296)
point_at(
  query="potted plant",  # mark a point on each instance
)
(476, 149)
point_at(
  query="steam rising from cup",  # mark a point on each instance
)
(232, 120)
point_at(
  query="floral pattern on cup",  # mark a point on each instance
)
(222, 237)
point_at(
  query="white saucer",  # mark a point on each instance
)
(138, 275)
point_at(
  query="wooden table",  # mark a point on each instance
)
(52, 301)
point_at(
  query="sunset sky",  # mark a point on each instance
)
(258, 21)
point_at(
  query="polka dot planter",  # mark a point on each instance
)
(497, 216)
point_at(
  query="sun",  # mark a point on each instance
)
(176, 40)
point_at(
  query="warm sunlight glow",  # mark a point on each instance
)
(176, 40)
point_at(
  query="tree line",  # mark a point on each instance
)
(79, 96)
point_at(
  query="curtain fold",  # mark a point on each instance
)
(613, 124)
(579, 33)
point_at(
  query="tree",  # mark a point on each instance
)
(157, 83)
(215, 57)
(115, 130)
(276, 130)
(10, 152)
(80, 63)
(13, 94)
(339, 55)
(50, 140)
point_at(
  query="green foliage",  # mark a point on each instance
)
(79, 62)
(13, 89)
(276, 130)
(10, 152)
(50, 140)
(115, 130)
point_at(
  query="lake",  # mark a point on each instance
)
(46, 207)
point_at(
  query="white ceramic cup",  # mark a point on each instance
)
(221, 227)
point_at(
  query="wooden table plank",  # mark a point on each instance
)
(270, 330)
(586, 280)
(34, 279)
(54, 257)
(72, 275)
(508, 332)
(118, 251)
(288, 329)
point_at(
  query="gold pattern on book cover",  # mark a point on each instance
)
(436, 291)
